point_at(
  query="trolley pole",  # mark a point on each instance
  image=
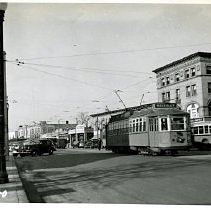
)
(3, 172)
(116, 91)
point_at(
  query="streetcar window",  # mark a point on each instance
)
(134, 125)
(195, 130)
(151, 124)
(164, 124)
(201, 130)
(144, 124)
(140, 125)
(131, 125)
(206, 128)
(177, 123)
(137, 125)
(156, 124)
(210, 128)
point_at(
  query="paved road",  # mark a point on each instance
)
(92, 176)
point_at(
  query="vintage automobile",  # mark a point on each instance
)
(92, 143)
(35, 148)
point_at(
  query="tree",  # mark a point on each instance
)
(83, 118)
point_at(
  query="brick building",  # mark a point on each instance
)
(187, 82)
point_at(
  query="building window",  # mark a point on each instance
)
(193, 71)
(187, 74)
(193, 90)
(177, 94)
(163, 97)
(177, 77)
(167, 80)
(167, 96)
(188, 91)
(208, 69)
(178, 99)
(162, 82)
(209, 87)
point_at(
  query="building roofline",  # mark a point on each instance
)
(197, 54)
(127, 109)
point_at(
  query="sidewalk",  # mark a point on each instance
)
(13, 191)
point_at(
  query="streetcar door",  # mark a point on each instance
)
(153, 128)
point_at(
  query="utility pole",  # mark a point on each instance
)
(97, 128)
(116, 91)
(3, 171)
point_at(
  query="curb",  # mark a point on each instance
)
(31, 192)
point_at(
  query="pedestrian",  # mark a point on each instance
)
(99, 144)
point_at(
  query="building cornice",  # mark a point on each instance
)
(185, 59)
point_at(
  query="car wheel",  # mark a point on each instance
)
(34, 153)
(50, 151)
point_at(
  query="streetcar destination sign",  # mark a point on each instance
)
(165, 105)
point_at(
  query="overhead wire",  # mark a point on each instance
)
(84, 69)
(118, 52)
(61, 76)
(64, 77)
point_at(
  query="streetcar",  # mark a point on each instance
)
(158, 128)
(202, 135)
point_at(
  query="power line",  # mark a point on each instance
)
(137, 83)
(67, 78)
(96, 70)
(118, 52)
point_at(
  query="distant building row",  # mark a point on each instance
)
(37, 130)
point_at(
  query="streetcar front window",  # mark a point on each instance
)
(177, 123)
(164, 124)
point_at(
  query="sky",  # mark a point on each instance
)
(66, 58)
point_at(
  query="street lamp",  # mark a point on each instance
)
(3, 171)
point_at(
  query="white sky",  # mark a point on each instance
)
(90, 50)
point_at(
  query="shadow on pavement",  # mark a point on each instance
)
(54, 182)
(62, 160)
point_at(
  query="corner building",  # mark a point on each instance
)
(187, 82)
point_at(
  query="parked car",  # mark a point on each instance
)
(81, 145)
(92, 143)
(88, 144)
(75, 144)
(35, 148)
